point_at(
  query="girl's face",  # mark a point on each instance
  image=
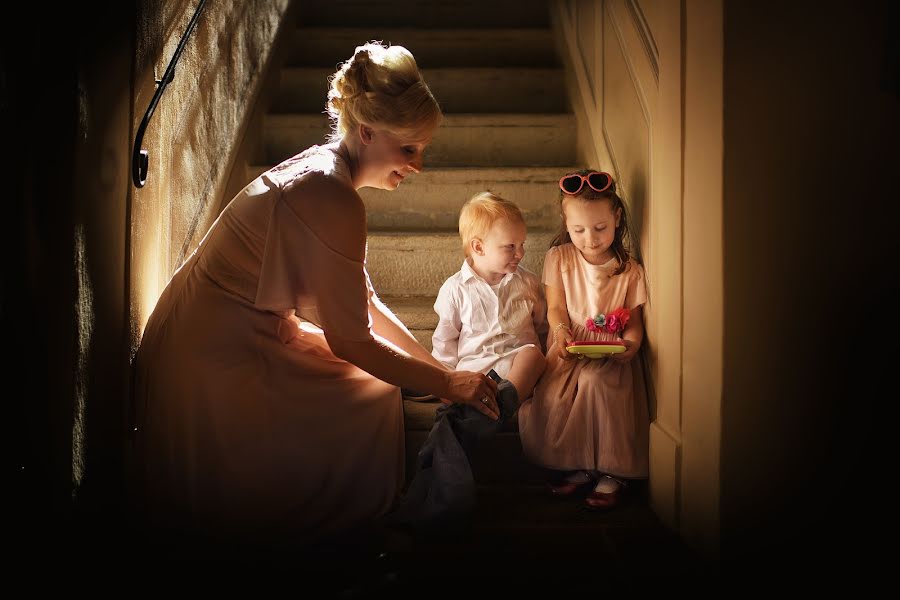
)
(500, 251)
(592, 226)
(386, 159)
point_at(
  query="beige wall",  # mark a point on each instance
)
(756, 146)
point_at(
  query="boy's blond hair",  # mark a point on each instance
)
(480, 212)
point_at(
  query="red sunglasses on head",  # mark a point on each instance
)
(598, 181)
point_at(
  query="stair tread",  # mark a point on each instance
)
(300, 70)
(452, 174)
(425, 14)
(516, 89)
(441, 234)
(449, 120)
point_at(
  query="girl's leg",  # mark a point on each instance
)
(528, 365)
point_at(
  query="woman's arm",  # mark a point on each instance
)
(338, 216)
(385, 324)
(393, 365)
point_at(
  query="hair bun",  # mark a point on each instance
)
(361, 57)
(380, 85)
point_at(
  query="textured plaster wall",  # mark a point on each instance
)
(197, 128)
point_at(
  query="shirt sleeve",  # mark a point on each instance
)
(300, 271)
(445, 339)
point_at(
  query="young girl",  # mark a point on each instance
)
(588, 416)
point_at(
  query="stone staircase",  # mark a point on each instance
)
(507, 128)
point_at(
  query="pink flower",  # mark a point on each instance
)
(591, 325)
(617, 320)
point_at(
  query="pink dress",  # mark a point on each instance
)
(248, 426)
(589, 414)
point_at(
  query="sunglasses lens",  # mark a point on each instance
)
(599, 181)
(571, 184)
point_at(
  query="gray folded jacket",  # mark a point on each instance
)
(442, 490)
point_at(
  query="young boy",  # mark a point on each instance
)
(492, 319)
(492, 313)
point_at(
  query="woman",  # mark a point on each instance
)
(267, 398)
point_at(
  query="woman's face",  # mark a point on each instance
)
(592, 227)
(386, 158)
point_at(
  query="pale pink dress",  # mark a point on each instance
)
(589, 414)
(248, 426)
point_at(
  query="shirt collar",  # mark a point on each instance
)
(468, 274)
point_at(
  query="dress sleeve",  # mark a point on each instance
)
(552, 274)
(636, 294)
(301, 272)
(445, 339)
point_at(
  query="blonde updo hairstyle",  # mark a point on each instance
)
(381, 86)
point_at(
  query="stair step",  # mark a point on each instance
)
(432, 48)
(416, 312)
(458, 90)
(432, 199)
(461, 140)
(417, 264)
(429, 14)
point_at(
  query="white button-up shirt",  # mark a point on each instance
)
(479, 329)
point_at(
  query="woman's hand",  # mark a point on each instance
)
(474, 389)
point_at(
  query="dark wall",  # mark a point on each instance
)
(65, 81)
(811, 127)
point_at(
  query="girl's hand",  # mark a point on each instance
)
(631, 348)
(476, 390)
(562, 338)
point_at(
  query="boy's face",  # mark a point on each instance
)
(500, 251)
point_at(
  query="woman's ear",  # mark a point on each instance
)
(366, 134)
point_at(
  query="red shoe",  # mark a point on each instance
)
(567, 488)
(605, 500)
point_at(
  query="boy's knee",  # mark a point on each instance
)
(538, 358)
